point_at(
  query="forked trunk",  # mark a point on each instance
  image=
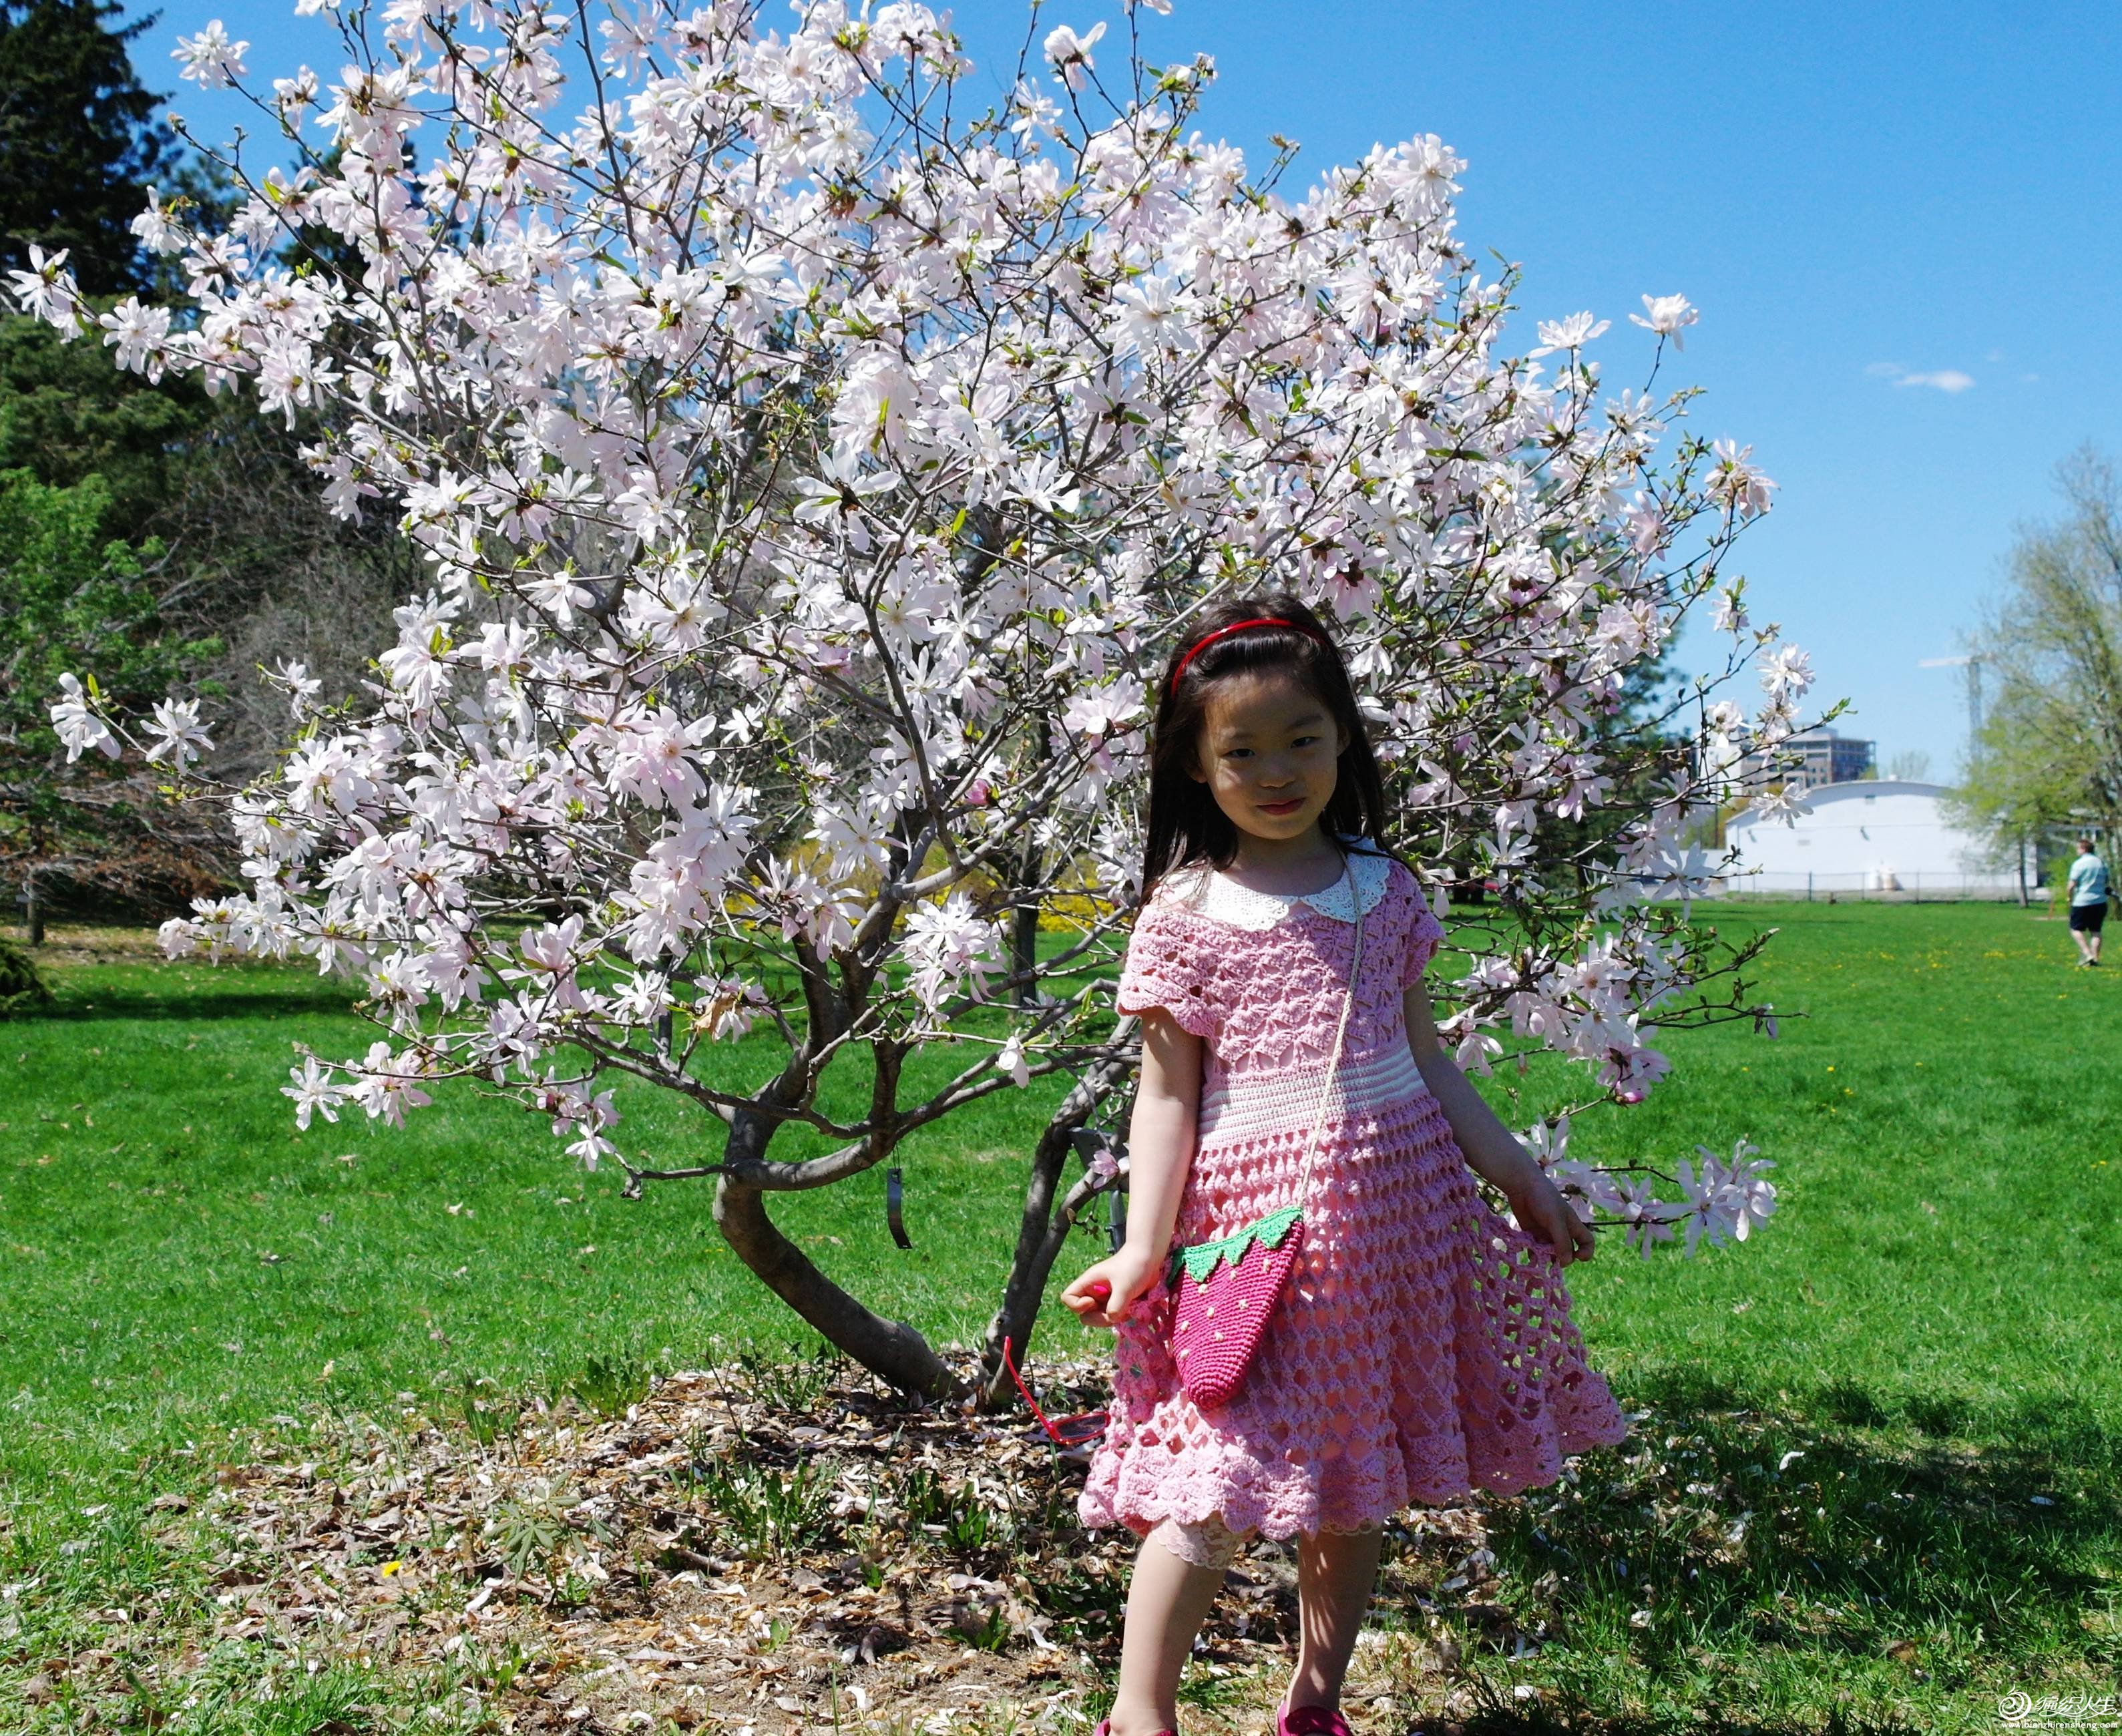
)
(1042, 1233)
(890, 1349)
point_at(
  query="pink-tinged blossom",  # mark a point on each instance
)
(549, 962)
(653, 758)
(398, 984)
(1045, 487)
(1588, 1189)
(1100, 711)
(576, 1110)
(1742, 488)
(329, 775)
(1645, 526)
(1784, 803)
(1625, 631)
(1646, 1219)
(1725, 1200)
(383, 1085)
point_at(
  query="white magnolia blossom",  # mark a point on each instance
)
(175, 735)
(811, 480)
(1668, 314)
(79, 728)
(1573, 332)
(210, 59)
(46, 291)
(1070, 53)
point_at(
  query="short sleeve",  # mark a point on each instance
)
(1424, 936)
(1167, 967)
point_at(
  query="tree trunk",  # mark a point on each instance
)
(2024, 901)
(889, 1349)
(1041, 1233)
(1024, 939)
(33, 907)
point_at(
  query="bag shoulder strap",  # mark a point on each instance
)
(1340, 1037)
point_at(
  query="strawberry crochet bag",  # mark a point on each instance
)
(1224, 1291)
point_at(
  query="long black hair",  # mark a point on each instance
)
(1185, 825)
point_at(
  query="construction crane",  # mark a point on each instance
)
(1972, 663)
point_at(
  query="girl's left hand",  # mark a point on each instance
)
(1102, 1294)
(1545, 1215)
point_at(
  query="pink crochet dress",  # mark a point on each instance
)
(1423, 1347)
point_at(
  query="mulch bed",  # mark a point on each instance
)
(761, 1549)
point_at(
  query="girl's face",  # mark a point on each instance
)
(1267, 752)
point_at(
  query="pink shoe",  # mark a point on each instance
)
(1311, 1721)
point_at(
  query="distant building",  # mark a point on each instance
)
(1866, 838)
(1810, 759)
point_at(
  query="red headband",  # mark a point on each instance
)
(1207, 639)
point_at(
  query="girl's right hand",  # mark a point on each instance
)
(1100, 1296)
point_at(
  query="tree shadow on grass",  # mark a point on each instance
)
(1850, 1537)
(2029, 1436)
(1497, 1719)
(240, 1003)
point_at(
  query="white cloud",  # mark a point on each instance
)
(1943, 379)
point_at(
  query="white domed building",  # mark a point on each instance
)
(1874, 837)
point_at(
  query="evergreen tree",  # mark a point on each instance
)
(68, 413)
(79, 140)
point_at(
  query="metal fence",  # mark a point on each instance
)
(1877, 888)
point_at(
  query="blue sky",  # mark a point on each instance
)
(1871, 203)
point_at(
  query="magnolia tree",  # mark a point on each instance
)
(812, 477)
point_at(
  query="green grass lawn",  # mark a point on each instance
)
(1947, 1121)
(1932, 1312)
(182, 1259)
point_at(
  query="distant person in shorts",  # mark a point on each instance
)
(2088, 901)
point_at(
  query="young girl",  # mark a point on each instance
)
(1422, 1346)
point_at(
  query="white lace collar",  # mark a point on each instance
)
(1207, 892)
